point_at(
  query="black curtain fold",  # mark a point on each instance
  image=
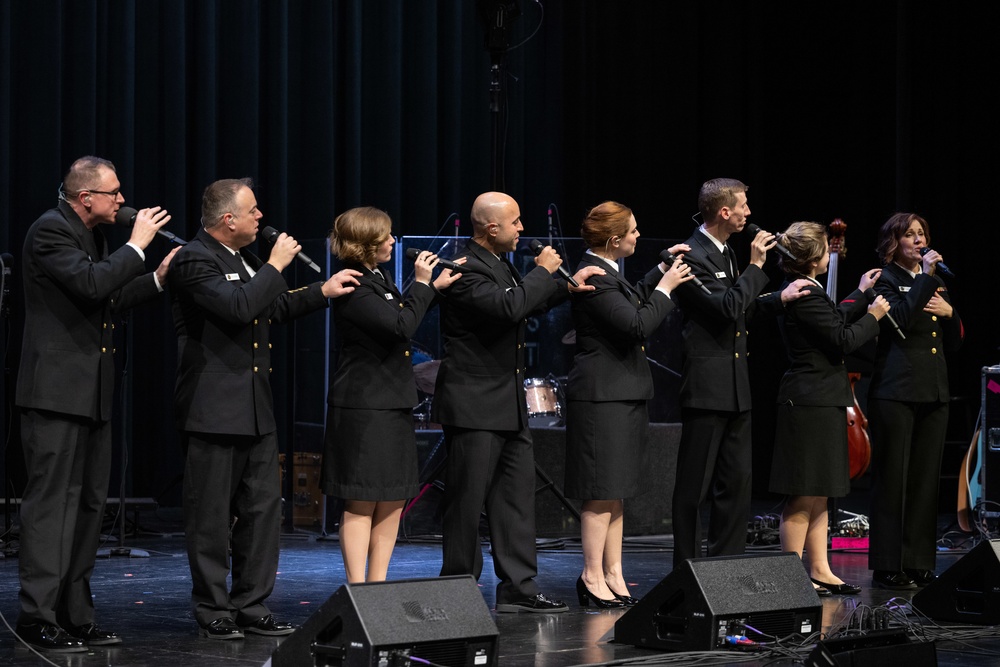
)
(851, 110)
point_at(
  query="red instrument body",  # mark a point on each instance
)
(859, 444)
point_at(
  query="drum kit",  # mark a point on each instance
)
(544, 397)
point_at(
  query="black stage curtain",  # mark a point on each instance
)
(851, 110)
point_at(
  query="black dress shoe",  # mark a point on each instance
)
(838, 589)
(585, 597)
(538, 604)
(221, 628)
(46, 637)
(822, 592)
(892, 581)
(267, 625)
(921, 577)
(93, 635)
(628, 600)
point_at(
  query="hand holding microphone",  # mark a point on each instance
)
(151, 222)
(754, 230)
(537, 247)
(411, 253)
(873, 299)
(285, 246)
(935, 261)
(668, 258)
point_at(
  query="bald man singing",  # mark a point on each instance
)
(480, 402)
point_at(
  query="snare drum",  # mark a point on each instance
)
(542, 395)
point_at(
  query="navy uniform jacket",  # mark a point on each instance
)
(715, 374)
(72, 286)
(223, 317)
(817, 335)
(612, 325)
(913, 370)
(480, 384)
(374, 326)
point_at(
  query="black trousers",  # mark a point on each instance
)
(494, 470)
(714, 463)
(907, 445)
(68, 461)
(231, 481)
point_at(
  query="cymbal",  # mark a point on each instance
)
(425, 375)
(570, 337)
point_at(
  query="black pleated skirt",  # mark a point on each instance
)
(606, 449)
(810, 452)
(370, 455)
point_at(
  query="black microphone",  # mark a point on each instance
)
(126, 217)
(870, 295)
(271, 235)
(753, 229)
(411, 253)
(940, 265)
(537, 246)
(667, 258)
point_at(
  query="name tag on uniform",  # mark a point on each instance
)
(720, 274)
(388, 296)
(904, 288)
(232, 276)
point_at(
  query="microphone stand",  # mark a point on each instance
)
(126, 422)
(495, 16)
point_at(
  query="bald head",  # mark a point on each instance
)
(496, 221)
(491, 207)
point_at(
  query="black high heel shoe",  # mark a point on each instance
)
(838, 589)
(586, 597)
(627, 600)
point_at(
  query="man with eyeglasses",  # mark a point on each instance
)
(73, 286)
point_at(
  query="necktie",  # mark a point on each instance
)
(511, 270)
(730, 262)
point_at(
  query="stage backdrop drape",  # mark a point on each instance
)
(851, 110)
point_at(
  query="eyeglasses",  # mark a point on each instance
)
(113, 194)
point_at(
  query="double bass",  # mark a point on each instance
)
(859, 444)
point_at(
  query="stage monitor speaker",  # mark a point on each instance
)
(706, 601)
(968, 591)
(443, 621)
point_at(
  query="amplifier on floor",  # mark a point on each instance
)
(968, 591)
(443, 621)
(706, 602)
(989, 449)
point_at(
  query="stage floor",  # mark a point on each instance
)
(147, 601)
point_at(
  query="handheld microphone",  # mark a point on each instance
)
(668, 258)
(411, 253)
(271, 235)
(940, 265)
(753, 229)
(126, 217)
(870, 295)
(537, 246)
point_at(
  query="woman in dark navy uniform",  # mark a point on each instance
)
(908, 406)
(607, 389)
(810, 460)
(370, 458)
